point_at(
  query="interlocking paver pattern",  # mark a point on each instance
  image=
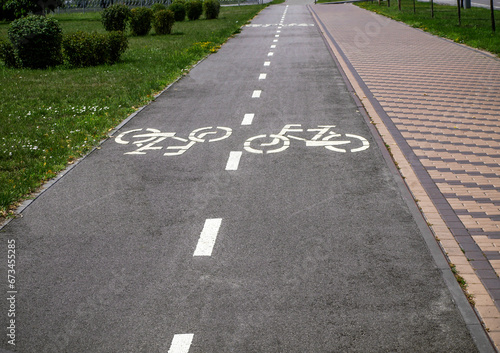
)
(442, 100)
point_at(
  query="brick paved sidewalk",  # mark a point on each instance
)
(437, 105)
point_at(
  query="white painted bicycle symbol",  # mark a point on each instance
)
(324, 137)
(150, 139)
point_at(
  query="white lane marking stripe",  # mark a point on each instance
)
(273, 46)
(267, 63)
(270, 53)
(277, 35)
(181, 343)
(256, 93)
(207, 237)
(275, 41)
(248, 119)
(234, 160)
(262, 76)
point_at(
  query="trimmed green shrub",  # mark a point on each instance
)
(163, 21)
(194, 9)
(158, 7)
(140, 22)
(7, 54)
(178, 7)
(212, 9)
(36, 41)
(82, 49)
(117, 44)
(115, 17)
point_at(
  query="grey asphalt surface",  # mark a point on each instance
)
(318, 251)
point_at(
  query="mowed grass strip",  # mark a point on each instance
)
(475, 28)
(49, 118)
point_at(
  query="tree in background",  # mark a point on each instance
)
(13, 9)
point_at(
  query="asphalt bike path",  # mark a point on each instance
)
(248, 209)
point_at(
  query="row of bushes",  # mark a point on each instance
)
(37, 42)
(142, 18)
(83, 49)
(116, 17)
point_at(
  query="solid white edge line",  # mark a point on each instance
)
(234, 160)
(181, 343)
(208, 236)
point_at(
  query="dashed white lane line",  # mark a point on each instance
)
(275, 41)
(248, 119)
(273, 46)
(262, 76)
(234, 160)
(256, 93)
(270, 53)
(276, 35)
(207, 238)
(181, 343)
(267, 63)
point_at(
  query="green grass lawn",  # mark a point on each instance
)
(48, 118)
(475, 29)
